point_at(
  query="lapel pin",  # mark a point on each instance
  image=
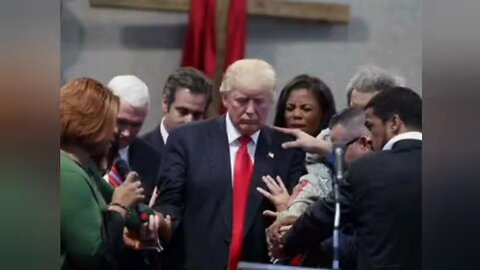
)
(270, 155)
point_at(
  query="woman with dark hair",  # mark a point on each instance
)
(305, 103)
(91, 230)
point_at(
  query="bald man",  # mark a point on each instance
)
(211, 168)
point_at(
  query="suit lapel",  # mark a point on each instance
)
(218, 155)
(156, 140)
(132, 155)
(158, 137)
(263, 165)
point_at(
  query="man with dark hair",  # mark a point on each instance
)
(396, 112)
(381, 195)
(348, 127)
(186, 96)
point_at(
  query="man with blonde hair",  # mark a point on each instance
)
(211, 169)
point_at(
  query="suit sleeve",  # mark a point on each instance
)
(316, 224)
(310, 188)
(82, 225)
(171, 178)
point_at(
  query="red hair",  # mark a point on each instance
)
(88, 112)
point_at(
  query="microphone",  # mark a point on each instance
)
(338, 151)
(123, 170)
(142, 209)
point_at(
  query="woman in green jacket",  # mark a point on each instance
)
(91, 226)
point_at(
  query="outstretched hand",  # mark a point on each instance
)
(305, 141)
(277, 192)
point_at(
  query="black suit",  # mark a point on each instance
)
(381, 197)
(197, 189)
(170, 256)
(144, 160)
(154, 138)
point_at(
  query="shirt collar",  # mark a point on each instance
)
(124, 153)
(233, 133)
(163, 131)
(411, 135)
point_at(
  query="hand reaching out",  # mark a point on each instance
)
(277, 194)
(164, 227)
(306, 142)
(275, 233)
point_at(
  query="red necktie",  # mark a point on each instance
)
(241, 185)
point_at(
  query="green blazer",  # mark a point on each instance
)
(85, 241)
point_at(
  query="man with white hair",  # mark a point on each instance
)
(211, 169)
(138, 155)
(368, 81)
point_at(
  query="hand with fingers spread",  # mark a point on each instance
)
(306, 142)
(128, 194)
(277, 194)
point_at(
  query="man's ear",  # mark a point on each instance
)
(165, 105)
(224, 97)
(395, 124)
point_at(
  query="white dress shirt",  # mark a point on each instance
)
(233, 135)
(163, 131)
(411, 135)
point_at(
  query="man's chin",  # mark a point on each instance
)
(249, 129)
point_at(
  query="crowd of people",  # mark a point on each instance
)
(206, 193)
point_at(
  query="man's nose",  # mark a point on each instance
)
(125, 132)
(250, 107)
(188, 118)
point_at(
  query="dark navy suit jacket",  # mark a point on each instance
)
(196, 190)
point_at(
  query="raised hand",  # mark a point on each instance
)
(277, 194)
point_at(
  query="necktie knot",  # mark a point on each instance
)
(244, 139)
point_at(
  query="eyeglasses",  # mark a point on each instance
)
(352, 141)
